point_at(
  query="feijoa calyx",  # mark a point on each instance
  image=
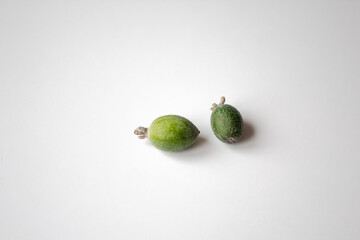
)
(170, 133)
(226, 122)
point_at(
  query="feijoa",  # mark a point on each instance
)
(170, 133)
(226, 122)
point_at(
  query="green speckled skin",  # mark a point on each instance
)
(227, 123)
(172, 133)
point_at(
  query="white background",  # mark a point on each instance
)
(77, 77)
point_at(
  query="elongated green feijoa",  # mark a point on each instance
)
(170, 133)
(226, 122)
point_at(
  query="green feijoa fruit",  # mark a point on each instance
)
(226, 122)
(170, 133)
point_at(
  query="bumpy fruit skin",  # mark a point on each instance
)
(227, 123)
(172, 133)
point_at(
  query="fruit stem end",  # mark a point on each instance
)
(214, 105)
(141, 132)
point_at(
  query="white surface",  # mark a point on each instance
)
(77, 78)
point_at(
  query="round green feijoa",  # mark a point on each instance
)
(170, 133)
(226, 122)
